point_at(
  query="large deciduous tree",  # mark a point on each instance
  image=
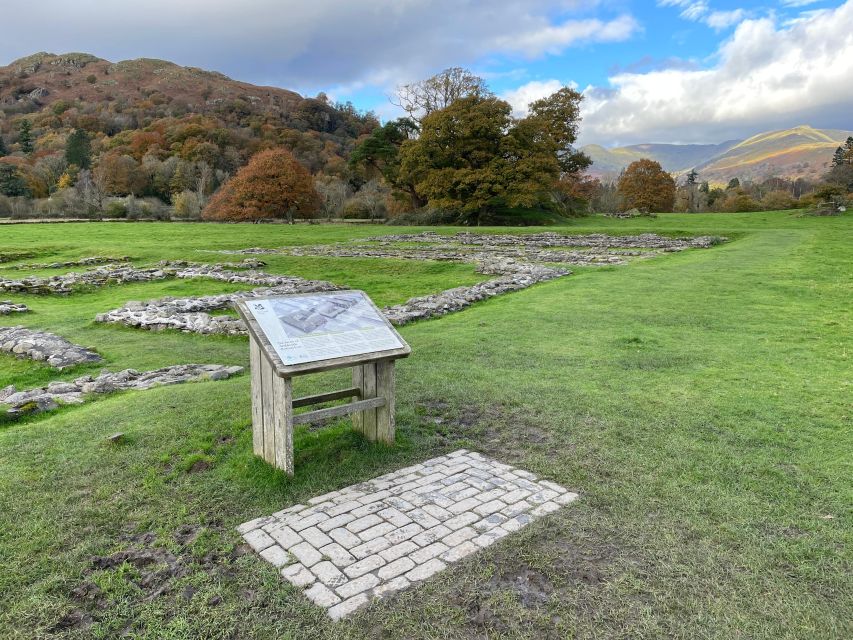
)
(272, 185)
(646, 186)
(472, 157)
(419, 99)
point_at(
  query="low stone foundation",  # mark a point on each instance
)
(44, 347)
(110, 275)
(59, 393)
(7, 307)
(83, 262)
(192, 315)
(551, 239)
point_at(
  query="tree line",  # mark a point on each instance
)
(459, 155)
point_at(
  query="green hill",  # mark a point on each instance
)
(799, 152)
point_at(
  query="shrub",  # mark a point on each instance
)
(187, 205)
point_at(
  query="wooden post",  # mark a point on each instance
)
(376, 380)
(385, 389)
(255, 357)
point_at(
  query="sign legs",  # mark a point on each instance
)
(376, 380)
(273, 403)
(272, 412)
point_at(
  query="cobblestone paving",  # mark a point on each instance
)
(372, 539)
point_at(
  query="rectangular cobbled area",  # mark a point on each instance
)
(373, 539)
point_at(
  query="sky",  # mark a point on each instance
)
(679, 71)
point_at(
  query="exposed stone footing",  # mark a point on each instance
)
(59, 393)
(83, 262)
(7, 307)
(44, 347)
(192, 315)
(109, 275)
(551, 239)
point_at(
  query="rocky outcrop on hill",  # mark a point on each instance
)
(60, 393)
(44, 347)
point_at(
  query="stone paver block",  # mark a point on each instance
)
(258, 540)
(348, 607)
(298, 575)
(370, 540)
(321, 595)
(363, 583)
(276, 556)
(306, 554)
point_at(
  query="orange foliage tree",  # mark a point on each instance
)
(272, 185)
(647, 187)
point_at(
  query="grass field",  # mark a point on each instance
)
(700, 402)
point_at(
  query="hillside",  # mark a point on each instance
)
(800, 152)
(152, 120)
(672, 157)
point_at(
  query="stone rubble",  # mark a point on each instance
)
(56, 394)
(83, 262)
(551, 239)
(7, 307)
(102, 276)
(452, 253)
(44, 347)
(370, 540)
(513, 276)
(518, 261)
(192, 315)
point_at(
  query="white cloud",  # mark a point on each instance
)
(767, 75)
(553, 39)
(312, 45)
(522, 96)
(724, 19)
(700, 11)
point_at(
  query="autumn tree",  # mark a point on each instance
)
(3, 150)
(419, 99)
(646, 186)
(472, 157)
(272, 185)
(119, 175)
(554, 119)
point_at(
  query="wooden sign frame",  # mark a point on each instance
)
(273, 416)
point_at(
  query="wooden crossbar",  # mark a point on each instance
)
(352, 392)
(342, 410)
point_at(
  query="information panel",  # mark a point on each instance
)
(323, 326)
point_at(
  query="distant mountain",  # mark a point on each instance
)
(672, 157)
(800, 152)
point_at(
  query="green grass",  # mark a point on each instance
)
(699, 402)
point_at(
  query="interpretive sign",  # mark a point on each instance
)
(323, 326)
(306, 333)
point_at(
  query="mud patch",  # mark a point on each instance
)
(498, 430)
(154, 571)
